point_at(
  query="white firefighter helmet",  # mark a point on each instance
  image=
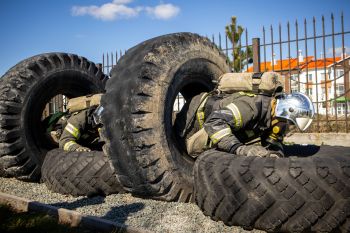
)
(96, 115)
(297, 108)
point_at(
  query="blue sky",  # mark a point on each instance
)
(92, 27)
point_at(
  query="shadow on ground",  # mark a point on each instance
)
(86, 201)
(120, 213)
(117, 214)
(310, 150)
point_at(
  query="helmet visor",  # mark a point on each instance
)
(303, 123)
(296, 108)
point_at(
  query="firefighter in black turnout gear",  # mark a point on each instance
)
(228, 122)
(241, 118)
(81, 132)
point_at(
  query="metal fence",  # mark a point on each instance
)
(313, 61)
(110, 59)
(312, 58)
(56, 104)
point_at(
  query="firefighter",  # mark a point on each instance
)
(82, 131)
(228, 123)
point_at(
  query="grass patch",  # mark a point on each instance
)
(11, 222)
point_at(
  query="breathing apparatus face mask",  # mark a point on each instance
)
(280, 127)
(272, 139)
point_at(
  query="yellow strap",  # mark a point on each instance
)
(68, 145)
(274, 122)
(200, 118)
(246, 93)
(273, 107)
(73, 130)
(237, 115)
(216, 137)
(200, 111)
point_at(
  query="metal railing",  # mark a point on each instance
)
(312, 61)
(109, 60)
(56, 104)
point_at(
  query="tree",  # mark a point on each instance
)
(234, 33)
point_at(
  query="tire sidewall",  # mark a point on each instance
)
(48, 81)
(149, 163)
(30, 85)
(180, 160)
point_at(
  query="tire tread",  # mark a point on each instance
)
(79, 173)
(258, 193)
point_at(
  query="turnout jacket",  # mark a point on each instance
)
(80, 131)
(229, 120)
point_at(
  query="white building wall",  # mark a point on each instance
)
(179, 103)
(318, 91)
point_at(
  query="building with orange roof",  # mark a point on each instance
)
(323, 79)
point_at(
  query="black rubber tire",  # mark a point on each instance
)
(24, 91)
(138, 112)
(295, 194)
(79, 173)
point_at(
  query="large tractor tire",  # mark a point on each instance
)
(24, 91)
(293, 194)
(79, 173)
(138, 115)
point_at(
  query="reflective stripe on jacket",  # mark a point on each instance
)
(80, 130)
(239, 118)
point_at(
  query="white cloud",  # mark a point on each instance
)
(122, 1)
(108, 11)
(163, 11)
(338, 51)
(118, 9)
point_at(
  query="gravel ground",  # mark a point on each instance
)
(156, 216)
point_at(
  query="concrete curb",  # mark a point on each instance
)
(69, 217)
(331, 139)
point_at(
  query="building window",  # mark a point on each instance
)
(340, 73)
(309, 91)
(323, 93)
(341, 108)
(294, 77)
(294, 88)
(340, 89)
(323, 76)
(310, 77)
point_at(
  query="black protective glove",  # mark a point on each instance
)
(275, 148)
(252, 150)
(276, 153)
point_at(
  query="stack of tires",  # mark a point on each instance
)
(25, 149)
(294, 194)
(144, 155)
